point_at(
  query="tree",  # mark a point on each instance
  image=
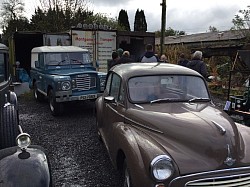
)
(170, 32)
(72, 5)
(11, 10)
(140, 23)
(213, 29)
(241, 22)
(12, 14)
(123, 20)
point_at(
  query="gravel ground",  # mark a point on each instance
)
(77, 157)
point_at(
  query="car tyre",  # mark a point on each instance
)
(126, 177)
(37, 95)
(55, 108)
(8, 126)
(98, 132)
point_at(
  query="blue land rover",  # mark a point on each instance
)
(64, 74)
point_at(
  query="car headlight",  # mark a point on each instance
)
(162, 167)
(65, 85)
(23, 140)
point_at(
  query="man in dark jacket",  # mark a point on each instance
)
(125, 58)
(149, 55)
(198, 65)
(182, 61)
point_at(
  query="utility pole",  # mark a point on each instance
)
(163, 24)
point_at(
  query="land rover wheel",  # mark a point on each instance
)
(8, 126)
(37, 95)
(55, 108)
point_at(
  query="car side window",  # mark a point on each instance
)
(115, 86)
(41, 60)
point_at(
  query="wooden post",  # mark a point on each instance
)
(163, 25)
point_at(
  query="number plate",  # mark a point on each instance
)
(85, 97)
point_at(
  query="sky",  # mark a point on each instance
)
(191, 16)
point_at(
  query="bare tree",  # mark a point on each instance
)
(72, 5)
(11, 10)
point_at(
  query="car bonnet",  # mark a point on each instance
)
(198, 136)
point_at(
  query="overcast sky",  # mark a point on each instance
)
(191, 16)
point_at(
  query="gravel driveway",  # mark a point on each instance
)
(77, 157)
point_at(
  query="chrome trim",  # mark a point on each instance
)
(219, 127)
(139, 106)
(236, 180)
(229, 160)
(211, 172)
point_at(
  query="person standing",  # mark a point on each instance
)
(198, 65)
(182, 61)
(149, 55)
(125, 58)
(114, 60)
(163, 59)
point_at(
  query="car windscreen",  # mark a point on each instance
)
(70, 58)
(166, 88)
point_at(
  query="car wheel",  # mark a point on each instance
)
(37, 95)
(8, 126)
(55, 108)
(126, 177)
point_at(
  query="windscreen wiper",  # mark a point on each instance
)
(161, 100)
(198, 99)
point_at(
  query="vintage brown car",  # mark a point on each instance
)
(161, 128)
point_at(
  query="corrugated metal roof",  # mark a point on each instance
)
(203, 37)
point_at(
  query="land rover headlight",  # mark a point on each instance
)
(65, 85)
(23, 140)
(162, 167)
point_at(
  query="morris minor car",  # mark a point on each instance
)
(162, 129)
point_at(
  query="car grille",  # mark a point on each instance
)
(85, 82)
(232, 181)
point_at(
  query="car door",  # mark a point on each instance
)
(113, 111)
(40, 80)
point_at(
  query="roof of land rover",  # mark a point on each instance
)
(57, 49)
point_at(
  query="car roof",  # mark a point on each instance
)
(128, 70)
(55, 49)
(3, 47)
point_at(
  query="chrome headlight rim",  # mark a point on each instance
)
(65, 85)
(160, 173)
(23, 141)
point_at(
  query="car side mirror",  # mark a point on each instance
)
(37, 64)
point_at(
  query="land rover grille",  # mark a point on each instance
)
(85, 82)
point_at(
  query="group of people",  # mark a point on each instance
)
(196, 63)
(120, 57)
